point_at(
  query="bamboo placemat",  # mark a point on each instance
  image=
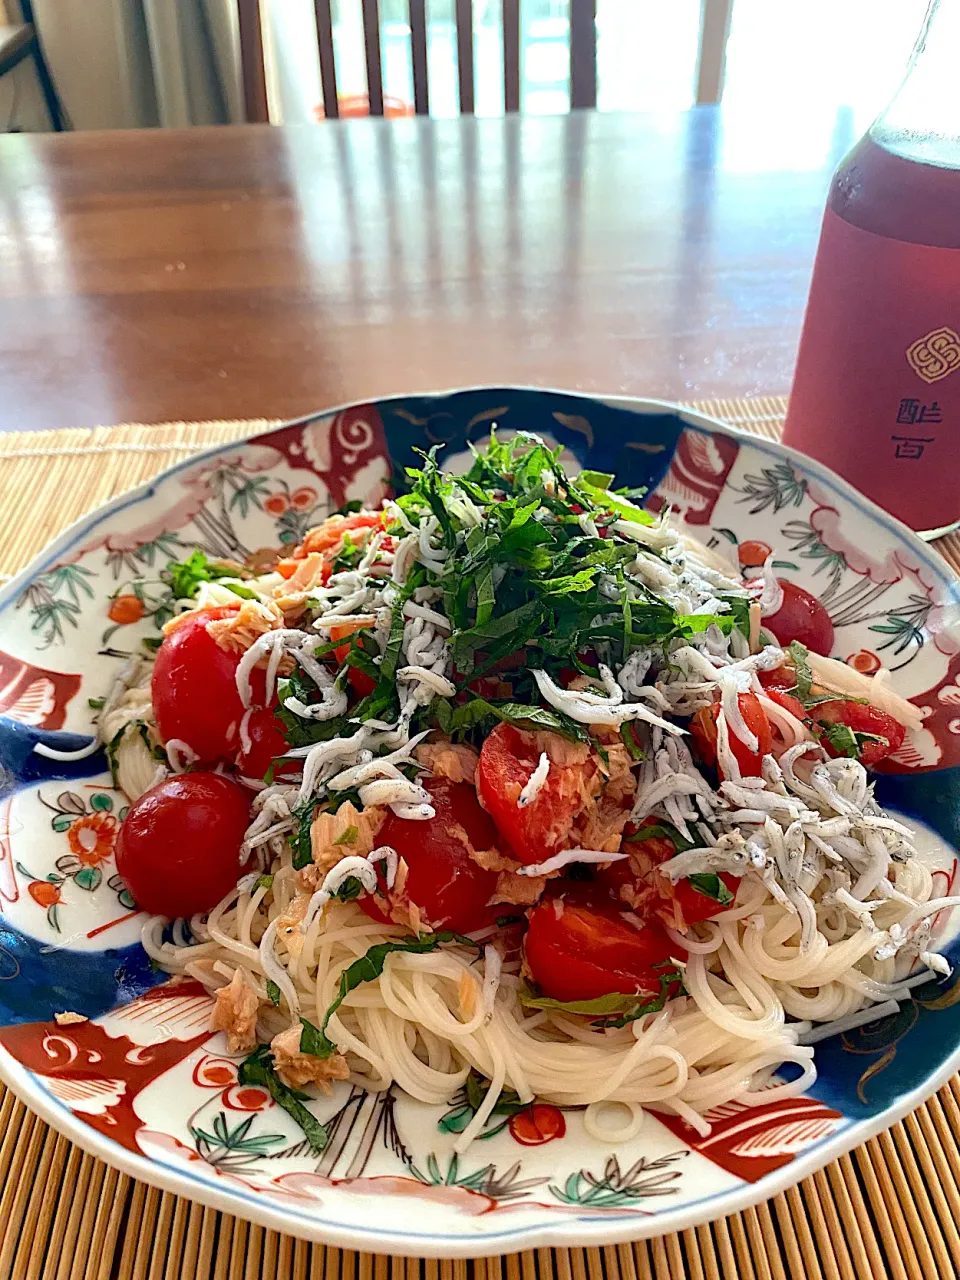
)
(889, 1209)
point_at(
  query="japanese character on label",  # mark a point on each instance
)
(912, 411)
(910, 446)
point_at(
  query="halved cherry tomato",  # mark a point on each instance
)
(359, 680)
(329, 534)
(507, 761)
(179, 845)
(693, 904)
(788, 702)
(703, 726)
(579, 950)
(681, 902)
(801, 617)
(451, 889)
(795, 707)
(194, 688)
(782, 677)
(267, 742)
(862, 718)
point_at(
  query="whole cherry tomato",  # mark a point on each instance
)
(194, 689)
(178, 850)
(267, 743)
(801, 617)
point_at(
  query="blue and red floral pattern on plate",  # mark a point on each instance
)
(144, 1084)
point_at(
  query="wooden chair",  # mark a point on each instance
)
(714, 28)
(19, 40)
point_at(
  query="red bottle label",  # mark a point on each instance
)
(877, 389)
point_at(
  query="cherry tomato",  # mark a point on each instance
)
(693, 904)
(359, 680)
(451, 889)
(539, 1123)
(178, 847)
(788, 702)
(194, 688)
(329, 534)
(507, 761)
(267, 742)
(579, 950)
(862, 719)
(782, 677)
(703, 726)
(801, 617)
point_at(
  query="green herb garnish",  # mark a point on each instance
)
(660, 830)
(615, 1009)
(348, 836)
(367, 969)
(185, 576)
(351, 888)
(846, 741)
(710, 884)
(532, 576)
(258, 1069)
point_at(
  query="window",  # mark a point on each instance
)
(806, 57)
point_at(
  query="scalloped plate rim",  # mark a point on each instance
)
(469, 1243)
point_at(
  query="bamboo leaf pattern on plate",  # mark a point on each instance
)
(776, 487)
(505, 1186)
(55, 600)
(615, 1189)
(227, 1148)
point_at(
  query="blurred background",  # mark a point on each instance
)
(130, 63)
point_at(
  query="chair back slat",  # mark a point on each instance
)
(510, 10)
(715, 27)
(328, 65)
(418, 56)
(712, 54)
(583, 53)
(251, 62)
(464, 14)
(371, 45)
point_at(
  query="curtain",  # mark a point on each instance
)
(137, 63)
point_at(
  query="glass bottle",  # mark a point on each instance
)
(876, 394)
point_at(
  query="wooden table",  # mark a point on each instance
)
(255, 271)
